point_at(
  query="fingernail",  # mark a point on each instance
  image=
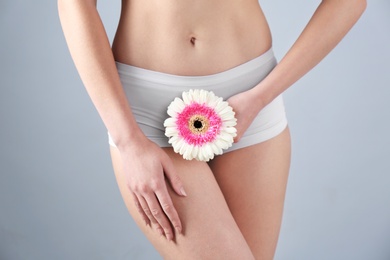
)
(183, 192)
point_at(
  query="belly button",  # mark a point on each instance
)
(192, 40)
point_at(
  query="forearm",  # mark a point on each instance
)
(92, 55)
(329, 24)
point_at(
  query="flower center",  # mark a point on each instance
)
(198, 124)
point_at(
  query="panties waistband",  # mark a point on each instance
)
(195, 81)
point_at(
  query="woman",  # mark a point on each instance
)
(231, 207)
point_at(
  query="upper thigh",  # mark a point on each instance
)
(253, 181)
(209, 229)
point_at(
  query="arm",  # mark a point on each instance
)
(92, 55)
(329, 24)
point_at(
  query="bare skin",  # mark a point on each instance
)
(241, 199)
(232, 207)
(190, 38)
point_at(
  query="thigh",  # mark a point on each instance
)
(209, 229)
(253, 181)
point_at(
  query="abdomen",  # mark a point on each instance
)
(185, 37)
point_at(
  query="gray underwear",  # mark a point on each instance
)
(150, 92)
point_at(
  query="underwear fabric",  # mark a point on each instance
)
(149, 94)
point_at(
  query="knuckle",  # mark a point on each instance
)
(160, 230)
(138, 205)
(141, 188)
(175, 179)
(155, 225)
(155, 212)
(147, 212)
(140, 211)
(155, 185)
(167, 231)
(153, 221)
(166, 207)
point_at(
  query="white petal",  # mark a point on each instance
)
(171, 131)
(175, 107)
(210, 97)
(226, 110)
(229, 123)
(203, 96)
(183, 147)
(221, 106)
(177, 146)
(227, 116)
(210, 152)
(225, 136)
(204, 154)
(195, 151)
(217, 150)
(195, 94)
(230, 130)
(173, 142)
(215, 102)
(222, 143)
(187, 98)
(187, 153)
(200, 155)
(173, 139)
(170, 122)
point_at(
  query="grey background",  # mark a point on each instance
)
(58, 195)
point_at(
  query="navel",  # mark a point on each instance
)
(192, 40)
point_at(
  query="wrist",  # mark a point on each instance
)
(131, 141)
(264, 93)
(258, 97)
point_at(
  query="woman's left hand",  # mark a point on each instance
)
(246, 106)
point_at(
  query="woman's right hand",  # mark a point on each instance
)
(146, 165)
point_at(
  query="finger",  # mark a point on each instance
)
(159, 215)
(140, 210)
(149, 215)
(172, 176)
(168, 208)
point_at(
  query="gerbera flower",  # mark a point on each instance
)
(200, 125)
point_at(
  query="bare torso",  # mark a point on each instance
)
(190, 37)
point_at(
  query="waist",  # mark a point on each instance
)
(259, 66)
(191, 39)
(150, 92)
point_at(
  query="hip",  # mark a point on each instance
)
(149, 93)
